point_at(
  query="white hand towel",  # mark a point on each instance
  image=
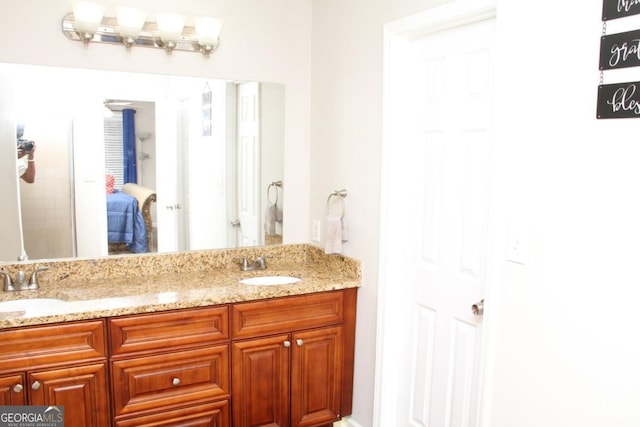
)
(345, 230)
(333, 241)
(278, 221)
(270, 215)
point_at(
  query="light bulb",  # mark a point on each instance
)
(88, 17)
(130, 22)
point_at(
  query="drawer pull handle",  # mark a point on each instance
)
(287, 343)
(299, 342)
(18, 388)
(35, 385)
(176, 381)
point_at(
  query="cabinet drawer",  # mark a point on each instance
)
(172, 330)
(282, 315)
(169, 380)
(214, 414)
(34, 347)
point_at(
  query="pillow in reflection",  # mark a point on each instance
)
(110, 183)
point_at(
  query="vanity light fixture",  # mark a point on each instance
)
(170, 26)
(208, 30)
(88, 24)
(130, 23)
(88, 17)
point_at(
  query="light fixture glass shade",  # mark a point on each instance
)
(208, 30)
(170, 26)
(88, 16)
(130, 21)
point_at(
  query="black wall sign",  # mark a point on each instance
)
(619, 101)
(613, 9)
(620, 50)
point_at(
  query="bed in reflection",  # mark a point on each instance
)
(129, 219)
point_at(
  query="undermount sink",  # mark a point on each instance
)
(270, 280)
(32, 306)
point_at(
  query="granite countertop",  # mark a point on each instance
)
(151, 283)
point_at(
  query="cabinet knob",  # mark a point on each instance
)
(176, 381)
(18, 388)
(299, 342)
(287, 343)
(35, 385)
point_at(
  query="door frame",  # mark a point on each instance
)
(393, 251)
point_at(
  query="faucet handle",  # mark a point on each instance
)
(261, 261)
(245, 263)
(33, 281)
(8, 283)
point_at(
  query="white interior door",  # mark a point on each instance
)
(436, 226)
(169, 205)
(248, 164)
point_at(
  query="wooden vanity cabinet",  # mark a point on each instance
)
(171, 368)
(289, 360)
(57, 365)
(292, 360)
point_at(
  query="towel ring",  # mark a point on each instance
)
(275, 184)
(341, 194)
(269, 193)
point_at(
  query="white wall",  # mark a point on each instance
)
(346, 138)
(567, 351)
(207, 156)
(272, 119)
(566, 336)
(261, 40)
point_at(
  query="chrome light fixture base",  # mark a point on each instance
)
(149, 36)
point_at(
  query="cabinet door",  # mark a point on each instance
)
(260, 389)
(316, 377)
(82, 390)
(12, 390)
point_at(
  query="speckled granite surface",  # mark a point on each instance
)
(131, 284)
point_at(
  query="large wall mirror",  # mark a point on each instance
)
(210, 151)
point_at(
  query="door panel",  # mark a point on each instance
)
(13, 390)
(449, 118)
(81, 390)
(316, 376)
(260, 389)
(249, 163)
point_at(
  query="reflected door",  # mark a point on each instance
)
(171, 226)
(248, 163)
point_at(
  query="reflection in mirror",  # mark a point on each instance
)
(210, 150)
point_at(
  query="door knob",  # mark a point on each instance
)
(478, 308)
(18, 388)
(35, 385)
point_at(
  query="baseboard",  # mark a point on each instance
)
(346, 422)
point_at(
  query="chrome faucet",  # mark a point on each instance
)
(260, 263)
(21, 283)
